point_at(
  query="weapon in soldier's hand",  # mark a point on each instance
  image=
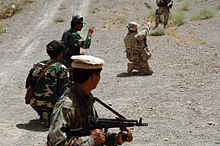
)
(119, 122)
(105, 124)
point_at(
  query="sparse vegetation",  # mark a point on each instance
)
(186, 5)
(28, 1)
(59, 19)
(157, 32)
(152, 14)
(12, 8)
(122, 18)
(219, 4)
(178, 17)
(62, 6)
(204, 13)
(94, 10)
(2, 28)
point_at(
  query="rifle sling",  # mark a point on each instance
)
(109, 108)
(41, 75)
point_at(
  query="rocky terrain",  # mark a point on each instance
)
(180, 101)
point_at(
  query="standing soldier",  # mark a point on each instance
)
(164, 6)
(136, 48)
(73, 41)
(47, 79)
(75, 109)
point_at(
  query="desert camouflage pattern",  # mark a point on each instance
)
(163, 9)
(136, 45)
(74, 109)
(50, 87)
(73, 42)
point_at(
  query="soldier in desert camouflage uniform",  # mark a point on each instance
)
(75, 108)
(73, 41)
(164, 6)
(136, 49)
(51, 85)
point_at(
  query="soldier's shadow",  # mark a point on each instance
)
(125, 74)
(33, 125)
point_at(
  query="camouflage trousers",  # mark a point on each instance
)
(165, 12)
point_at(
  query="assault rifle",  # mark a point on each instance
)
(119, 122)
(105, 124)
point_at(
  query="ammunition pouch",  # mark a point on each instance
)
(145, 54)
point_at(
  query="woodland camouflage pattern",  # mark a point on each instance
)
(76, 110)
(73, 42)
(50, 87)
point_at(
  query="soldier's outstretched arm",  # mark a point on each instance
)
(141, 35)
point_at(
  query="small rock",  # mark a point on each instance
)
(217, 142)
(166, 139)
(211, 123)
(13, 6)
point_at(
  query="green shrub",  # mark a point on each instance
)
(178, 17)
(122, 18)
(28, 1)
(59, 19)
(2, 28)
(157, 32)
(204, 13)
(62, 6)
(186, 5)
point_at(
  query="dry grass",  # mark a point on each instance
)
(2, 28)
(59, 19)
(204, 13)
(9, 10)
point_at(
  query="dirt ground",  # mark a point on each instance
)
(180, 101)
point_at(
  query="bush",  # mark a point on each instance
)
(59, 19)
(62, 6)
(11, 9)
(28, 1)
(157, 32)
(186, 5)
(178, 17)
(204, 13)
(122, 18)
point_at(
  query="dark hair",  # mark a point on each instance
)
(82, 75)
(54, 48)
(74, 23)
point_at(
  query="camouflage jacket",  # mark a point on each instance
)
(50, 87)
(75, 110)
(135, 42)
(73, 42)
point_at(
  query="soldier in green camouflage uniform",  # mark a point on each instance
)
(75, 109)
(51, 85)
(73, 41)
(136, 49)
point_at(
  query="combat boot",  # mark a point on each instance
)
(130, 68)
(44, 119)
